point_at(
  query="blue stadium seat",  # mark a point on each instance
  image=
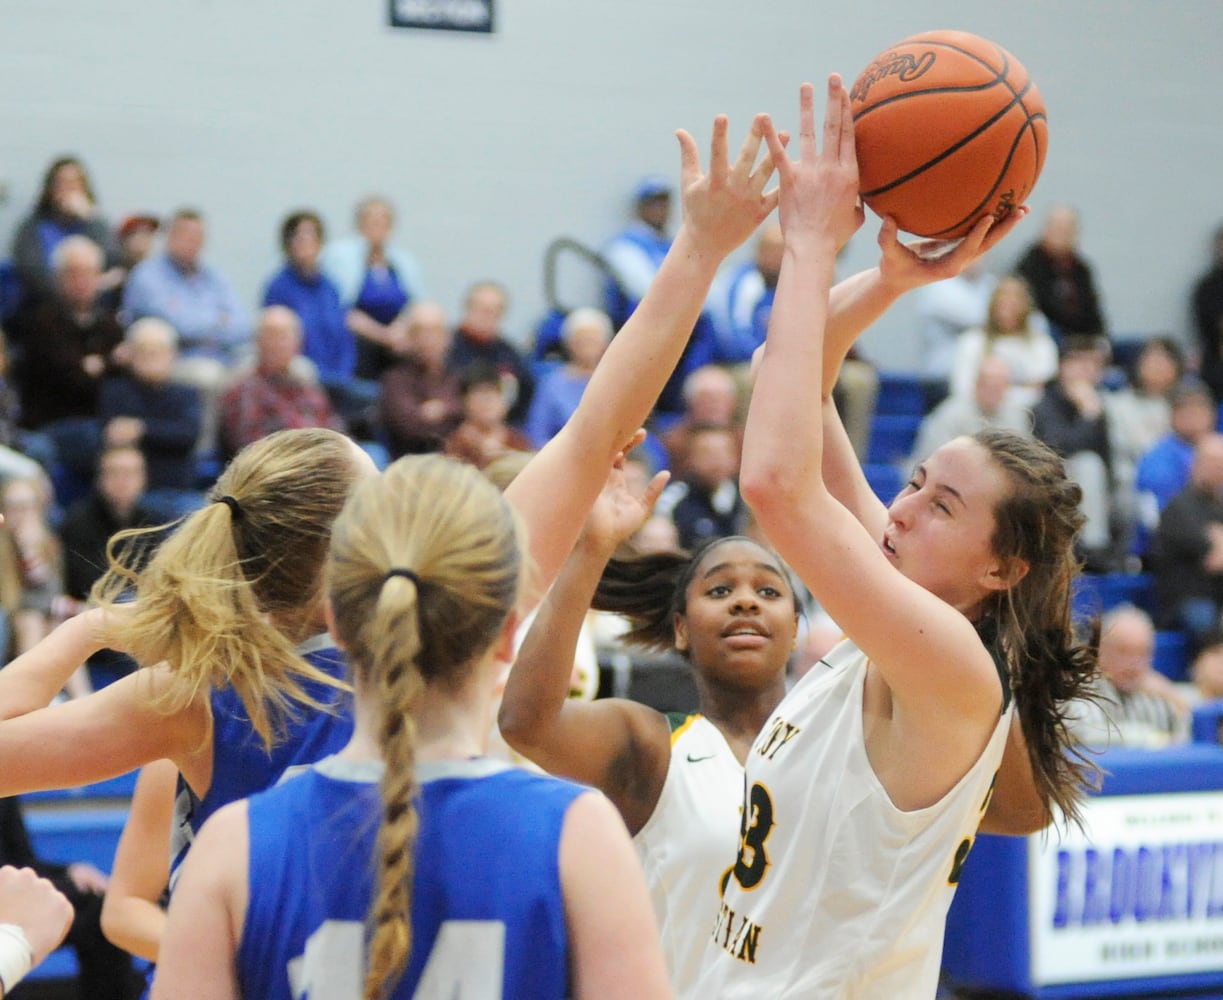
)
(886, 480)
(11, 292)
(1096, 593)
(892, 437)
(901, 394)
(1172, 655)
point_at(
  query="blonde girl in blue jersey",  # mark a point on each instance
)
(411, 839)
(867, 785)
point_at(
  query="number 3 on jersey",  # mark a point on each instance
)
(754, 829)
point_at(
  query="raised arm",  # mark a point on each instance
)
(721, 209)
(926, 650)
(618, 746)
(132, 916)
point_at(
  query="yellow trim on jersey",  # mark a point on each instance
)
(684, 727)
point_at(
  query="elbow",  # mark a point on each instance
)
(769, 489)
(517, 727)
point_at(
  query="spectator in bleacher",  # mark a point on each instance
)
(68, 347)
(1139, 414)
(989, 405)
(326, 339)
(23, 453)
(1130, 703)
(634, 255)
(1207, 303)
(31, 580)
(1206, 669)
(945, 309)
(274, 396)
(1187, 550)
(711, 399)
(478, 338)
(742, 305)
(1163, 469)
(113, 505)
(484, 434)
(705, 503)
(66, 207)
(195, 298)
(105, 971)
(420, 403)
(1070, 418)
(585, 334)
(1012, 331)
(135, 235)
(145, 408)
(742, 300)
(1061, 279)
(377, 280)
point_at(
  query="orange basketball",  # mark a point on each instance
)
(949, 128)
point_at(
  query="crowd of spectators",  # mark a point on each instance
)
(129, 347)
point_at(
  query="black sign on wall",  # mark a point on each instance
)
(445, 15)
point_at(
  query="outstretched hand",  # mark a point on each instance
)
(911, 265)
(618, 512)
(723, 207)
(819, 191)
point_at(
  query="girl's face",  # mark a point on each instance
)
(941, 525)
(740, 624)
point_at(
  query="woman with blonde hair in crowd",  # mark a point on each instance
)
(1015, 332)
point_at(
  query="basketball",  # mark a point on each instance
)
(949, 128)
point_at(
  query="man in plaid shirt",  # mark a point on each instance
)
(277, 394)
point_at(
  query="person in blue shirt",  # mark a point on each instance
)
(214, 328)
(326, 339)
(144, 408)
(474, 877)
(633, 255)
(238, 679)
(585, 334)
(377, 281)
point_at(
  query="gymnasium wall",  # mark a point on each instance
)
(491, 145)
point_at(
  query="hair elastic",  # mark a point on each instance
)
(232, 504)
(407, 574)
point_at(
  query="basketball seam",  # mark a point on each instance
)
(1016, 101)
(1027, 128)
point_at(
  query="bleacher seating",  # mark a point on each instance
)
(65, 831)
(886, 480)
(1096, 593)
(1172, 655)
(901, 394)
(892, 437)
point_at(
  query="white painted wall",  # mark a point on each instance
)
(493, 145)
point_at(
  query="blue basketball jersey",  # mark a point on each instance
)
(488, 917)
(242, 765)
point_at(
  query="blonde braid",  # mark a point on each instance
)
(395, 642)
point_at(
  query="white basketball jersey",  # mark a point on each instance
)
(836, 893)
(689, 842)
